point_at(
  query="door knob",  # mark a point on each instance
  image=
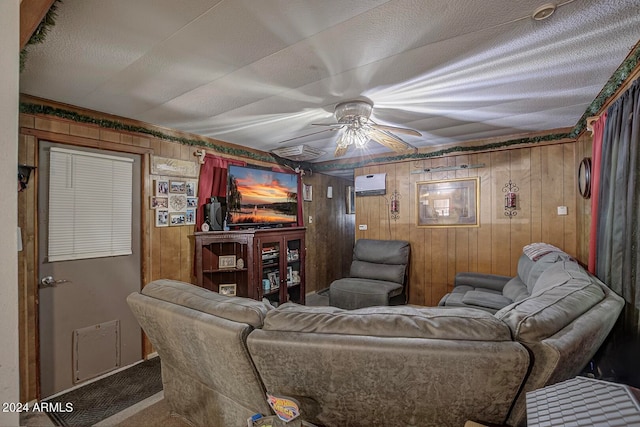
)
(50, 282)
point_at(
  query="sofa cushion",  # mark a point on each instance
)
(398, 321)
(515, 289)
(366, 287)
(243, 310)
(382, 272)
(555, 304)
(541, 265)
(524, 267)
(486, 299)
(380, 260)
(559, 273)
(382, 251)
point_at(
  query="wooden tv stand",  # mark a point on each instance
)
(272, 267)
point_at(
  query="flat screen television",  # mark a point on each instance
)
(259, 198)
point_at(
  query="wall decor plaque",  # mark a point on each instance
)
(174, 167)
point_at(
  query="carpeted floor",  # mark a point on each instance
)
(101, 399)
(155, 415)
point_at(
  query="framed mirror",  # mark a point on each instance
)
(584, 178)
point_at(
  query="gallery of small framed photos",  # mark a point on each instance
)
(175, 202)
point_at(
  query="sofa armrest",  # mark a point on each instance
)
(494, 282)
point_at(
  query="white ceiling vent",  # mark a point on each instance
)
(299, 153)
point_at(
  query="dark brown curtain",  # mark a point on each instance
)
(618, 244)
(618, 235)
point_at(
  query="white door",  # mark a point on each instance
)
(86, 327)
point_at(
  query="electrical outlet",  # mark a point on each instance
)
(562, 210)
(362, 227)
(310, 219)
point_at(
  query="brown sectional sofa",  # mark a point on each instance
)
(376, 366)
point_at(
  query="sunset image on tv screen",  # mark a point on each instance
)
(256, 196)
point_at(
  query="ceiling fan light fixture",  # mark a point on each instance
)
(349, 111)
(357, 136)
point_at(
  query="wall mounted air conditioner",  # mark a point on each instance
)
(371, 185)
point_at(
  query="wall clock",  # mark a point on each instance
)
(584, 178)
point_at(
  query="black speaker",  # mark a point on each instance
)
(214, 214)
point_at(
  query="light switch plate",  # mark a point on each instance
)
(562, 210)
(362, 227)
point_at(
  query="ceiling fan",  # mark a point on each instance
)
(353, 118)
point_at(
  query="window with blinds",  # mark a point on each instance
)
(90, 197)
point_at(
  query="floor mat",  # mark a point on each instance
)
(108, 396)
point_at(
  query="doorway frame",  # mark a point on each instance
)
(29, 337)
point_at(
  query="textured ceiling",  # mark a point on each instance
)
(255, 73)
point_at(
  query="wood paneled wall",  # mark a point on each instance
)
(330, 235)
(546, 177)
(167, 251)
(583, 206)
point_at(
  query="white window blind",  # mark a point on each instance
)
(90, 198)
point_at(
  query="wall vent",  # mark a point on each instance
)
(96, 350)
(299, 153)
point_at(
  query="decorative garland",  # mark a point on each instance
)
(617, 79)
(28, 108)
(438, 153)
(41, 32)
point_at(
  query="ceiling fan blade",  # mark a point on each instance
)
(390, 141)
(341, 151)
(396, 129)
(336, 125)
(309, 134)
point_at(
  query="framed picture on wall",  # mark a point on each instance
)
(190, 216)
(176, 218)
(191, 188)
(448, 203)
(177, 187)
(159, 202)
(307, 193)
(161, 187)
(162, 218)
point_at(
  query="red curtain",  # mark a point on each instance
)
(212, 182)
(596, 159)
